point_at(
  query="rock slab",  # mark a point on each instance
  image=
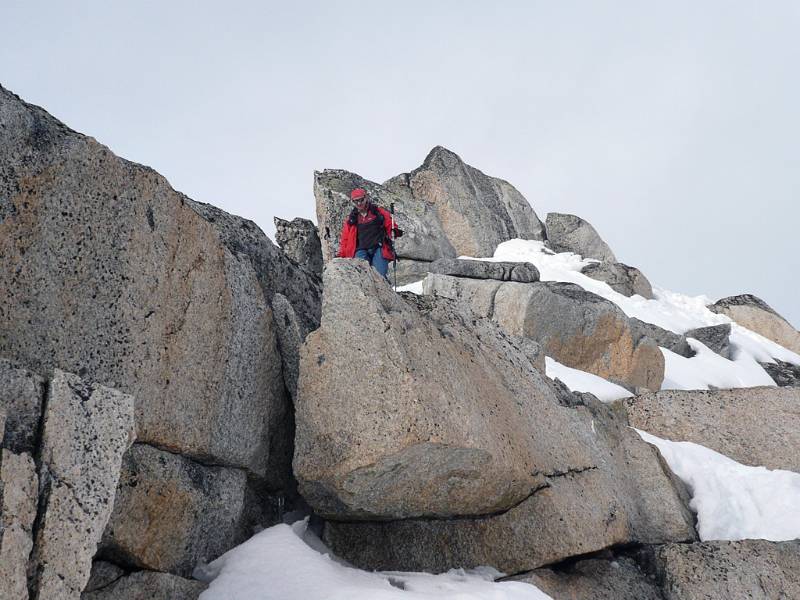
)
(480, 269)
(18, 499)
(755, 426)
(87, 429)
(575, 327)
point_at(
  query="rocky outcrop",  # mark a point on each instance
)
(617, 499)
(570, 233)
(715, 337)
(148, 585)
(620, 277)
(480, 269)
(86, 431)
(783, 373)
(451, 419)
(111, 274)
(477, 212)
(753, 313)
(575, 327)
(754, 569)
(299, 239)
(754, 426)
(445, 207)
(172, 513)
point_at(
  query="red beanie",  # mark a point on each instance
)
(357, 194)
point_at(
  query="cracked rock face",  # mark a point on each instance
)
(575, 327)
(171, 513)
(753, 313)
(445, 207)
(110, 273)
(570, 233)
(409, 408)
(86, 431)
(754, 426)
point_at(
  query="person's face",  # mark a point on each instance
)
(361, 203)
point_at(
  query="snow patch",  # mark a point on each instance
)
(290, 563)
(734, 501)
(581, 381)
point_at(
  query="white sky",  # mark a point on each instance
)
(672, 127)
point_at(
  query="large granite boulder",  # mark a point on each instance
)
(753, 313)
(172, 513)
(627, 495)
(754, 426)
(570, 233)
(86, 431)
(299, 239)
(477, 212)
(752, 569)
(620, 277)
(445, 207)
(575, 327)
(409, 408)
(110, 273)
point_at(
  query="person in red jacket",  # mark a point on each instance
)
(367, 233)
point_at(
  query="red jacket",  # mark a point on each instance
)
(347, 241)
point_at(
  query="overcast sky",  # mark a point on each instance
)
(672, 127)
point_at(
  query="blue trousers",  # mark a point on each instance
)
(375, 258)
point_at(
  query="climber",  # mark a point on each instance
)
(368, 233)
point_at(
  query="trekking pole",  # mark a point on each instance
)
(394, 250)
